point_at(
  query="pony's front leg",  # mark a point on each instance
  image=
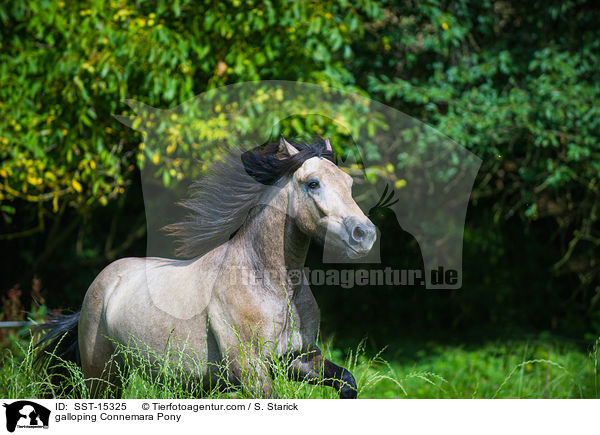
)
(252, 375)
(313, 367)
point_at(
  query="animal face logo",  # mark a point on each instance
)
(295, 276)
(422, 178)
(26, 414)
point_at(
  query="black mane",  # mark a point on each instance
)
(266, 165)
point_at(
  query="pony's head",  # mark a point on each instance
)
(320, 193)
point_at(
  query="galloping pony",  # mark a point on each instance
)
(255, 212)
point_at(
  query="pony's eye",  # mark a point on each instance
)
(313, 184)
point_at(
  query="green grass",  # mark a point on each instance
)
(522, 369)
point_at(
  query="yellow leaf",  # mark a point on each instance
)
(32, 179)
(76, 185)
(155, 158)
(55, 203)
(399, 184)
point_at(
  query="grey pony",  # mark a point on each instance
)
(202, 306)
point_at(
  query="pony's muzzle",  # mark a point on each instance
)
(362, 235)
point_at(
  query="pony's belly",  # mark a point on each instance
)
(157, 330)
(138, 325)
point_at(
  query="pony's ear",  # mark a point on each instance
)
(286, 148)
(328, 145)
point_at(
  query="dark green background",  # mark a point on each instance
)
(517, 83)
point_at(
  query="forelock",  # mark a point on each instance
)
(266, 165)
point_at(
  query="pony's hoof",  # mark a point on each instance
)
(348, 393)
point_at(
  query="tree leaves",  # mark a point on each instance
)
(65, 68)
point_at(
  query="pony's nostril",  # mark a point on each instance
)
(358, 233)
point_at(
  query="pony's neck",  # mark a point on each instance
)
(271, 233)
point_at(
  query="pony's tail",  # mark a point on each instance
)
(59, 341)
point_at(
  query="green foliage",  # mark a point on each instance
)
(65, 67)
(517, 84)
